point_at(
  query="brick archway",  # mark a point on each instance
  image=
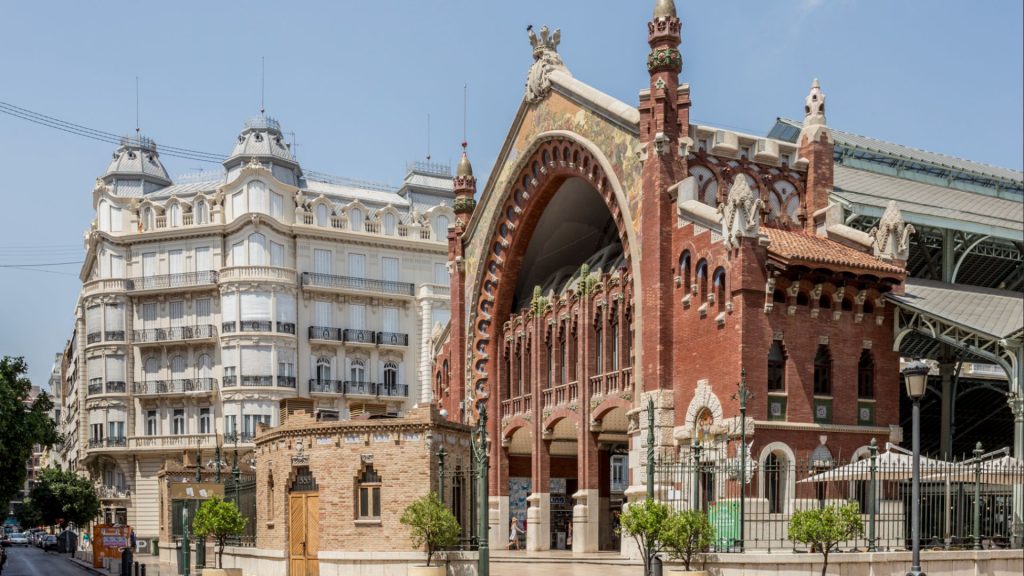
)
(552, 159)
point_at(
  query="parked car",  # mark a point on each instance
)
(19, 539)
(49, 542)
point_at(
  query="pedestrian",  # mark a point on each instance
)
(513, 534)
(568, 538)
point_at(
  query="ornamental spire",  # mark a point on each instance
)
(814, 114)
(464, 186)
(664, 9)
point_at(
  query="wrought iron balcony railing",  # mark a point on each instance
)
(98, 386)
(362, 388)
(354, 283)
(326, 386)
(230, 437)
(325, 333)
(181, 280)
(197, 332)
(257, 326)
(113, 442)
(258, 381)
(359, 336)
(175, 386)
(392, 339)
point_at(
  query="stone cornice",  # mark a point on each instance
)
(812, 427)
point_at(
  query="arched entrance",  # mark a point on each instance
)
(552, 338)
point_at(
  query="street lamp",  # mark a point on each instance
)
(743, 394)
(915, 377)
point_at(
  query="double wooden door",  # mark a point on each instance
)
(303, 534)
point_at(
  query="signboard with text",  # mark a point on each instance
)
(108, 541)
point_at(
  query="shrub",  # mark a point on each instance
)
(431, 523)
(645, 521)
(826, 527)
(687, 534)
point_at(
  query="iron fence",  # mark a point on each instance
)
(242, 491)
(458, 489)
(971, 504)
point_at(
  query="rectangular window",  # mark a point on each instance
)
(204, 420)
(115, 219)
(619, 473)
(369, 495)
(322, 313)
(257, 250)
(276, 254)
(390, 319)
(116, 266)
(204, 310)
(175, 263)
(96, 432)
(441, 275)
(176, 311)
(321, 261)
(237, 204)
(238, 254)
(178, 422)
(357, 265)
(94, 320)
(276, 205)
(357, 316)
(389, 269)
(256, 364)
(115, 371)
(229, 307)
(152, 427)
(256, 307)
(285, 363)
(115, 429)
(230, 424)
(148, 269)
(229, 357)
(203, 259)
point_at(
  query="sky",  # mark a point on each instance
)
(355, 82)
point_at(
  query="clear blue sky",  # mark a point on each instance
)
(356, 80)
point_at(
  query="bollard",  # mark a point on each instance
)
(135, 569)
(143, 572)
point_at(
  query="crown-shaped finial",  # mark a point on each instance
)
(546, 42)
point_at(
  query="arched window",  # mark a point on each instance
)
(615, 342)
(103, 211)
(437, 385)
(869, 307)
(598, 348)
(321, 215)
(702, 279)
(823, 371)
(151, 368)
(200, 212)
(391, 377)
(204, 366)
(802, 298)
(684, 271)
(357, 370)
(270, 495)
(257, 249)
(147, 218)
(355, 219)
(719, 285)
(441, 228)
(779, 296)
(323, 369)
(776, 368)
(825, 301)
(257, 191)
(549, 354)
(369, 494)
(174, 215)
(390, 222)
(847, 304)
(178, 367)
(866, 375)
(563, 366)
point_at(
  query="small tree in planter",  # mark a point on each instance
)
(824, 528)
(432, 524)
(645, 521)
(686, 535)
(219, 519)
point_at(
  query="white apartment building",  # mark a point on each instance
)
(207, 302)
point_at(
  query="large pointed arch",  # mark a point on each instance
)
(550, 160)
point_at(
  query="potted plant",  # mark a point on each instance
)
(686, 536)
(824, 528)
(219, 519)
(430, 524)
(645, 521)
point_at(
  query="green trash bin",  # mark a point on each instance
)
(181, 558)
(154, 547)
(200, 552)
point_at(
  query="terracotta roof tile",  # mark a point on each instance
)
(799, 246)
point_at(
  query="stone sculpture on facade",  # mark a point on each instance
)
(546, 60)
(891, 238)
(740, 213)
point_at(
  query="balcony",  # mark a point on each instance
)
(257, 273)
(98, 386)
(392, 339)
(355, 336)
(175, 443)
(241, 438)
(104, 286)
(332, 283)
(325, 333)
(114, 492)
(519, 405)
(326, 386)
(258, 381)
(173, 282)
(116, 442)
(199, 332)
(257, 326)
(177, 386)
(562, 395)
(611, 383)
(376, 389)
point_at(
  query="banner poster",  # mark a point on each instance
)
(108, 541)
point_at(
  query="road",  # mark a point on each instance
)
(31, 561)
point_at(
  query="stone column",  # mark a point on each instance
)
(538, 515)
(1016, 401)
(426, 313)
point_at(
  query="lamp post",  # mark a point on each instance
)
(481, 446)
(696, 474)
(650, 447)
(743, 394)
(915, 377)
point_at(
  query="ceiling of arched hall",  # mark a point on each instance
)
(575, 224)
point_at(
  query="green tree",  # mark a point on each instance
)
(687, 534)
(431, 523)
(26, 422)
(28, 515)
(63, 497)
(646, 521)
(824, 528)
(220, 519)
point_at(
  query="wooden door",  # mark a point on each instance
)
(303, 534)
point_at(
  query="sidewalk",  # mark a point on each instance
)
(152, 564)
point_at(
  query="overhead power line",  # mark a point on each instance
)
(100, 135)
(39, 265)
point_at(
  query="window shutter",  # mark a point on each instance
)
(285, 307)
(238, 254)
(357, 265)
(276, 254)
(178, 367)
(255, 306)
(390, 269)
(276, 205)
(441, 228)
(321, 261)
(229, 307)
(390, 323)
(237, 204)
(256, 361)
(257, 249)
(93, 319)
(203, 310)
(114, 318)
(149, 264)
(115, 368)
(203, 261)
(323, 313)
(115, 219)
(229, 356)
(116, 266)
(441, 275)
(94, 367)
(176, 310)
(357, 316)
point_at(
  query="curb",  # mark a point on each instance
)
(87, 567)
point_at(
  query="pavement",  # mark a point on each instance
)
(32, 561)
